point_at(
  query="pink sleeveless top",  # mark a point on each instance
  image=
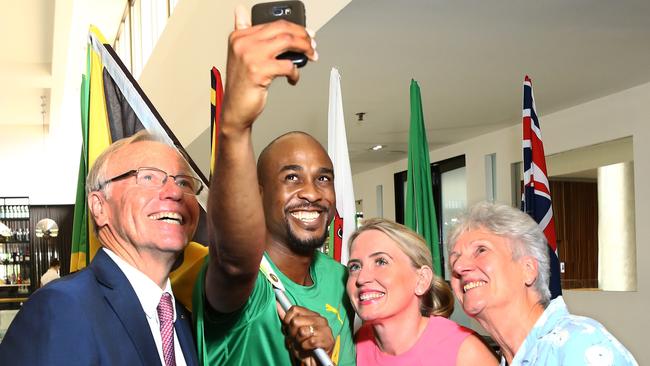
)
(438, 346)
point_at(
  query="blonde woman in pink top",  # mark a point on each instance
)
(403, 305)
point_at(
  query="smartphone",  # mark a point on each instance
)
(292, 11)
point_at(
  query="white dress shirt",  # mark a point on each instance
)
(149, 295)
(50, 275)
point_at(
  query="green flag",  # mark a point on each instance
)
(420, 213)
(79, 254)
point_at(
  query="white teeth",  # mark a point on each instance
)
(305, 216)
(470, 285)
(168, 217)
(370, 296)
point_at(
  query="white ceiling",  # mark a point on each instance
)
(469, 58)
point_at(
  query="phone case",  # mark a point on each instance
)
(293, 11)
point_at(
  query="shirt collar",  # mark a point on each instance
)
(145, 288)
(553, 313)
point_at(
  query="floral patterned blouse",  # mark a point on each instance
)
(559, 338)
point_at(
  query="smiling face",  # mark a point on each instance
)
(485, 276)
(161, 220)
(297, 184)
(382, 282)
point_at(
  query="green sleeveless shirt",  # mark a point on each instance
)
(252, 335)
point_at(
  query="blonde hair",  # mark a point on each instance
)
(439, 299)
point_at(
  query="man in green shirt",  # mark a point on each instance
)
(279, 211)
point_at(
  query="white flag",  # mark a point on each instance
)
(337, 147)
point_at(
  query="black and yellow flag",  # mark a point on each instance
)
(113, 106)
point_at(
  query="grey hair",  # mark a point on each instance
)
(525, 237)
(97, 174)
(439, 299)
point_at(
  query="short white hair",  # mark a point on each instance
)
(525, 237)
(96, 179)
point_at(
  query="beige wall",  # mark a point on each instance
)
(612, 117)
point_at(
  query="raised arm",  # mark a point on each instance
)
(236, 217)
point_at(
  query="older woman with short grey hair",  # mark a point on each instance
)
(500, 270)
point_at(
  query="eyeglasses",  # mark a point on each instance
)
(156, 178)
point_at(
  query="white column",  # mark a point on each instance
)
(616, 228)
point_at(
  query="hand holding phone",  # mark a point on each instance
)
(292, 11)
(252, 66)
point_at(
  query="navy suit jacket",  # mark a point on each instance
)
(91, 317)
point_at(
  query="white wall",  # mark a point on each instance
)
(42, 168)
(20, 148)
(612, 117)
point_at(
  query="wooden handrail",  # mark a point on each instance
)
(13, 299)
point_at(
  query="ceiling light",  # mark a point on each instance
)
(377, 147)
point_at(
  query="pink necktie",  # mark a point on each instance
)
(166, 317)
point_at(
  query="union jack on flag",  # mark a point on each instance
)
(536, 198)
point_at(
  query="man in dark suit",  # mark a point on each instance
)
(120, 310)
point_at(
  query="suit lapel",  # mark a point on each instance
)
(184, 333)
(124, 302)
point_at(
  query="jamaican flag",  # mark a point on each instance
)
(113, 106)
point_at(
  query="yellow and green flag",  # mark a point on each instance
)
(113, 106)
(79, 253)
(96, 137)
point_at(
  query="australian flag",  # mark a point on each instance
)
(536, 200)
